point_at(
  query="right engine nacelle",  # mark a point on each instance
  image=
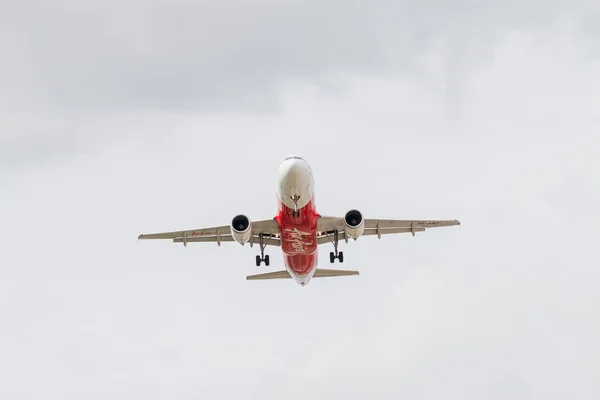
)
(241, 228)
(354, 223)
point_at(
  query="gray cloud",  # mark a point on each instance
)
(504, 306)
(174, 55)
(68, 66)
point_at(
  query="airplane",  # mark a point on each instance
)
(298, 229)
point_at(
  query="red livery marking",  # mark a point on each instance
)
(296, 238)
(299, 237)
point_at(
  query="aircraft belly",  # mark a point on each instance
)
(299, 238)
(301, 264)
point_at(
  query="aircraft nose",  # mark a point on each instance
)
(292, 169)
(294, 182)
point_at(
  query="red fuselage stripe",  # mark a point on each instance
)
(299, 237)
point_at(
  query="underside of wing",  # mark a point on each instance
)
(328, 226)
(406, 223)
(268, 228)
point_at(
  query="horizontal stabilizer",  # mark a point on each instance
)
(319, 273)
(325, 273)
(270, 275)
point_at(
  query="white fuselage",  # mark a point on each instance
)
(295, 182)
(297, 218)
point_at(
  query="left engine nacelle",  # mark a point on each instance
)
(354, 223)
(241, 228)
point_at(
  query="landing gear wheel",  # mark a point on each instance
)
(334, 254)
(262, 257)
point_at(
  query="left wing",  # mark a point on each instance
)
(269, 228)
(327, 226)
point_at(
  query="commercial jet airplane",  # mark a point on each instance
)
(298, 229)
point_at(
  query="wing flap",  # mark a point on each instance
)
(327, 226)
(401, 223)
(368, 232)
(216, 233)
(192, 233)
(228, 238)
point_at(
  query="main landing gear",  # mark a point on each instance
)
(334, 254)
(262, 257)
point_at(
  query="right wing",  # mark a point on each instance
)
(269, 228)
(327, 226)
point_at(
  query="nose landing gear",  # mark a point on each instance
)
(295, 211)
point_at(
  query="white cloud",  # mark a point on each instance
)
(510, 312)
(500, 307)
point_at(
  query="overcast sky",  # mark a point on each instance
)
(129, 117)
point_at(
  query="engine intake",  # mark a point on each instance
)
(241, 228)
(354, 223)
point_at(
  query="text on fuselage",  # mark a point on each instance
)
(298, 240)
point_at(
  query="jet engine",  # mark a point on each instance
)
(354, 223)
(241, 228)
